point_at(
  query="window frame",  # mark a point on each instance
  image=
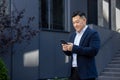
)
(67, 19)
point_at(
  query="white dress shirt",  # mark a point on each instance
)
(77, 42)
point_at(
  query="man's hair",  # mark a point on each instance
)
(81, 14)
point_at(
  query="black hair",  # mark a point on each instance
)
(78, 13)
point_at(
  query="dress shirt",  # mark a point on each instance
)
(77, 42)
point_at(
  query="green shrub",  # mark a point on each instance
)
(3, 71)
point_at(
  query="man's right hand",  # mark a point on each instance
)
(65, 47)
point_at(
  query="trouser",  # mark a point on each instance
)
(75, 75)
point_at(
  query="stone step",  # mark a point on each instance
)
(111, 74)
(108, 78)
(113, 66)
(118, 54)
(112, 70)
(115, 62)
(116, 57)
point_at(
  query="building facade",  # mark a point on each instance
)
(43, 58)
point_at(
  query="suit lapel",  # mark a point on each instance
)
(84, 36)
(73, 37)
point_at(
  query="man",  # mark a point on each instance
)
(83, 46)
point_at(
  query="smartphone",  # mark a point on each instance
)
(63, 42)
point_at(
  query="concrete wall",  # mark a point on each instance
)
(118, 15)
(25, 61)
(110, 44)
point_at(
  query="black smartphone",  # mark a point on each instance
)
(63, 42)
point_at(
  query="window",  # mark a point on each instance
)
(53, 15)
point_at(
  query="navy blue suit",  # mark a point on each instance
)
(86, 52)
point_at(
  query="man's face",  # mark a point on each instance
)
(78, 23)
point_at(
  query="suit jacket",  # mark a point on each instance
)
(86, 52)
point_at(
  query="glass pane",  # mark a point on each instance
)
(44, 14)
(57, 14)
(52, 14)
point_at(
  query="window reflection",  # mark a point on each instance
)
(31, 59)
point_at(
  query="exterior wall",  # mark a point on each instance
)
(100, 11)
(108, 14)
(52, 61)
(25, 61)
(78, 5)
(107, 49)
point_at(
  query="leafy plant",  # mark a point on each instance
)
(3, 71)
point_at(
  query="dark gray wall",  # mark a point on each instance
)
(52, 60)
(76, 5)
(20, 71)
(109, 46)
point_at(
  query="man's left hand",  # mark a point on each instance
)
(70, 46)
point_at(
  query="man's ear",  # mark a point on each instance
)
(84, 19)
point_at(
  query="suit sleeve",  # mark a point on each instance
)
(68, 53)
(92, 47)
